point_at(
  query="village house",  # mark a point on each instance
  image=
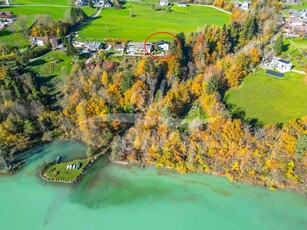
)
(37, 41)
(242, 5)
(104, 3)
(163, 3)
(119, 47)
(6, 15)
(245, 5)
(163, 45)
(42, 41)
(6, 18)
(182, 4)
(295, 21)
(87, 47)
(295, 13)
(278, 64)
(137, 48)
(293, 2)
(81, 2)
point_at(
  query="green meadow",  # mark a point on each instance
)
(300, 42)
(114, 23)
(292, 54)
(42, 2)
(299, 7)
(270, 99)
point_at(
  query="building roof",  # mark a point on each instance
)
(161, 42)
(295, 19)
(284, 61)
(6, 14)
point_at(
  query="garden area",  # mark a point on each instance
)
(66, 171)
(136, 21)
(269, 99)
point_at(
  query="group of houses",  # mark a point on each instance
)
(87, 47)
(167, 3)
(44, 41)
(245, 5)
(6, 18)
(272, 62)
(96, 3)
(139, 48)
(296, 25)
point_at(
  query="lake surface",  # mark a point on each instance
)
(116, 197)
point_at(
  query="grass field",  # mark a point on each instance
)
(42, 2)
(270, 99)
(114, 23)
(49, 70)
(65, 174)
(293, 54)
(301, 43)
(300, 7)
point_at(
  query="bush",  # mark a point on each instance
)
(301, 146)
(38, 51)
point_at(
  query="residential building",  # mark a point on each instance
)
(245, 5)
(163, 45)
(104, 3)
(295, 21)
(87, 47)
(6, 15)
(119, 47)
(279, 64)
(81, 2)
(182, 4)
(163, 3)
(137, 48)
(37, 41)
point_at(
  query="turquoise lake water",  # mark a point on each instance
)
(116, 197)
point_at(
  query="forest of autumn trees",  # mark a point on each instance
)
(143, 107)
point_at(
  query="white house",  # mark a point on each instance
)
(119, 47)
(80, 2)
(37, 41)
(182, 4)
(163, 45)
(163, 3)
(104, 3)
(278, 64)
(245, 5)
(135, 48)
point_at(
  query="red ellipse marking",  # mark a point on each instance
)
(162, 57)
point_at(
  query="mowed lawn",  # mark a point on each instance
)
(292, 54)
(42, 2)
(300, 43)
(33, 11)
(300, 7)
(270, 99)
(114, 23)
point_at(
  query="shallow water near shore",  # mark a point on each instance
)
(116, 197)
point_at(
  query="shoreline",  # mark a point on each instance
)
(126, 164)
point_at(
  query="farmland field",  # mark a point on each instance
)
(114, 23)
(270, 99)
(42, 2)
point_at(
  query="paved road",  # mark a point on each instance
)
(298, 71)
